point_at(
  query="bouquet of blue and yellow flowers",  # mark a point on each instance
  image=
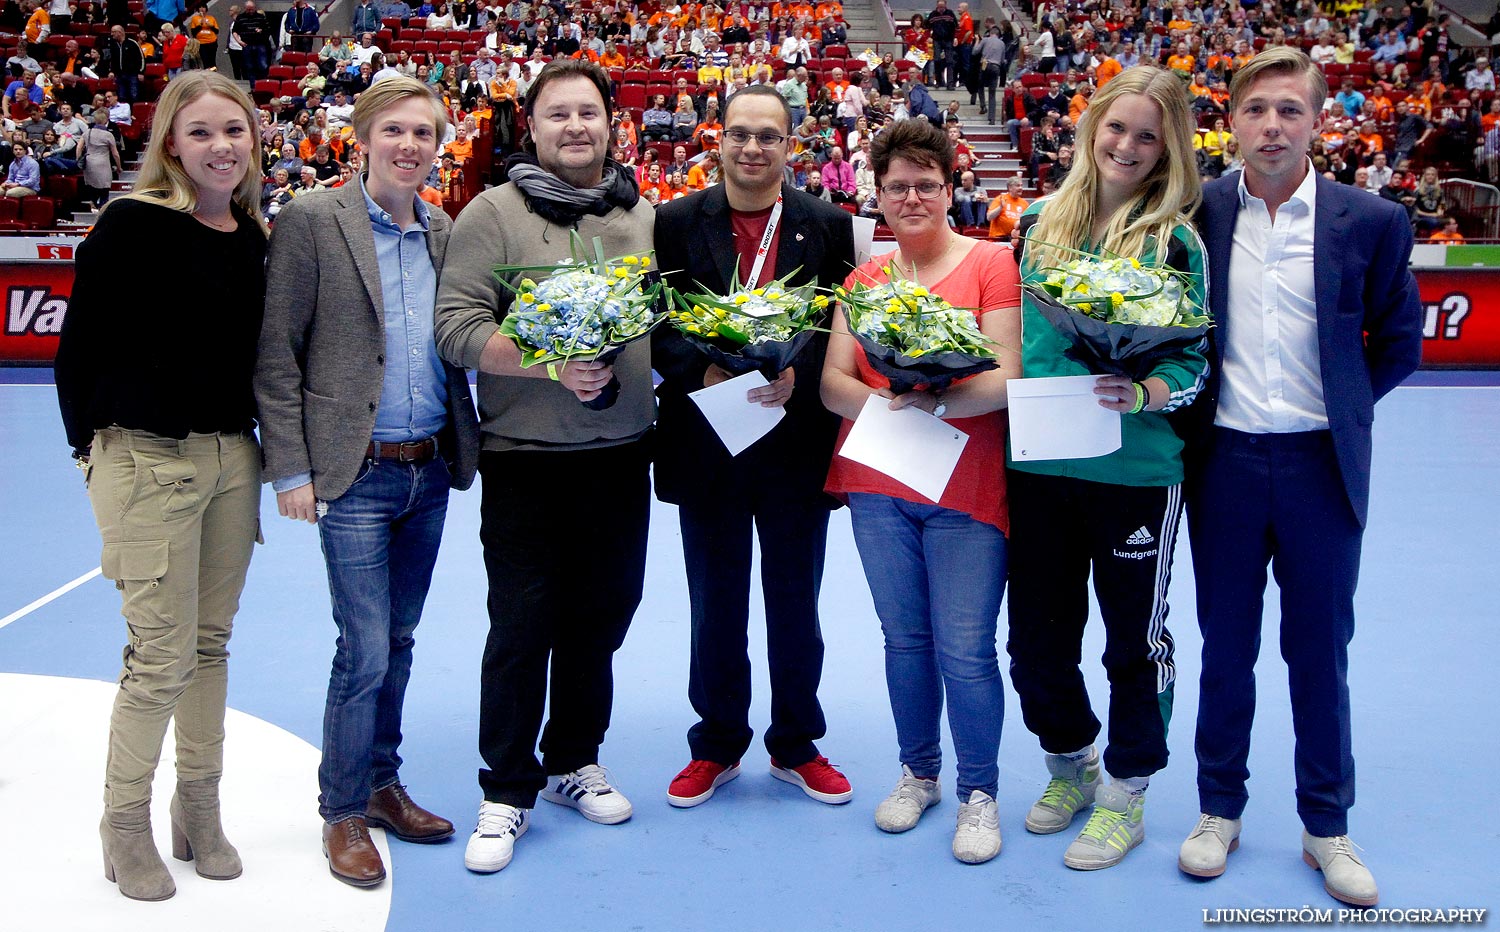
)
(583, 310)
(747, 329)
(1121, 316)
(913, 337)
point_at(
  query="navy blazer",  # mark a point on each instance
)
(695, 246)
(1369, 315)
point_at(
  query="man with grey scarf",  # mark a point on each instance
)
(566, 496)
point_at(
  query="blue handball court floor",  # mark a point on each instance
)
(760, 855)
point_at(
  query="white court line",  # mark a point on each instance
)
(54, 594)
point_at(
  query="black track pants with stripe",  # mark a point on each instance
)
(1061, 530)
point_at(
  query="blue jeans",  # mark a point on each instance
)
(380, 541)
(937, 577)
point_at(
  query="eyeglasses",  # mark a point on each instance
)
(926, 190)
(765, 140)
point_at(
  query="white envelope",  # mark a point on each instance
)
(1060, 419)
(864, 240)
(911, 446)
(738, 423)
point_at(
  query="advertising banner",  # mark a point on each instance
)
(1460, 312)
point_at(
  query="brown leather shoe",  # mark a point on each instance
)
(394, 811)
(352, 856)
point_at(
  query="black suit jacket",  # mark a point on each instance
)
(1369, 315)
(695, 247)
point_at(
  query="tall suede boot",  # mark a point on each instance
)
(197, 833)
(130, 856)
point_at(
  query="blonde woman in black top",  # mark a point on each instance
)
(157, 402)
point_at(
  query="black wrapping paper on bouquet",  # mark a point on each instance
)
(1131, 350)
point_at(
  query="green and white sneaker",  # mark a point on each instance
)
(1117, 825)
(1071, 790)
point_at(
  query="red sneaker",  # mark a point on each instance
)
(698, 781)
(818, 779)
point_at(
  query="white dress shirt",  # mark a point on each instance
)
(1272, 382)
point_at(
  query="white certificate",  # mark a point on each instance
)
(864, 240)
(1060, 419)
(739, 423)
(911, 446)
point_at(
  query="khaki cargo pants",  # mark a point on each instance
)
(179, 519)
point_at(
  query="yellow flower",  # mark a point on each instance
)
(1116, 298)
(920, 292)
(741, 298)
(894, 326)
(839, 290)
(916, 352)
(721, 313)
(886, 269)
(712, 333)
(1135, 263)
(820, 301)
(630, 260)
(622, 273)
(544, 307)
(759, 292)
(645, 262)
(538, 354)
(1083, 288)
(528, 297)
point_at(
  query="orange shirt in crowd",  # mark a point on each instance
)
(836, 89)
(1011, 210)
(1183, 63)
(697, 177)
(502, 89)
(1488, 121)
(431, 195)
(461, 151)
(1076, 106)
(836, 10)
(1372, 142)
(613, 60)
(1107, 69)
(1443, 236)
(34, 25)
(707, 135)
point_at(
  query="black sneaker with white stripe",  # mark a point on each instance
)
(587, 789)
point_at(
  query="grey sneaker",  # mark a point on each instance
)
(912, 796)
(1117, 825)
(1205, 852)
(977, 838)
(1070, 790)
(1345, 876)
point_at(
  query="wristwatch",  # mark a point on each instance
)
(941, 408)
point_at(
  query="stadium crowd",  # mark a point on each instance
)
(1410, 107)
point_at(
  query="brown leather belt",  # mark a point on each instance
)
(412, 451)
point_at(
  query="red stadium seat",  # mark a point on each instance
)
(10, 209)
(631, 96)
(289, 88)
(37, 212)
(263, 91)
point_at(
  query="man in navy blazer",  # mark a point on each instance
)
(1317, 318)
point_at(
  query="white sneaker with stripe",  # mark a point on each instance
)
(587, 789)
(494, 840)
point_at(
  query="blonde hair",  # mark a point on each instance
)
(1281, 59)
(163, 180)
(1165, 199)
(386, 93)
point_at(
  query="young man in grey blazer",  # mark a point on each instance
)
(365, 429)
